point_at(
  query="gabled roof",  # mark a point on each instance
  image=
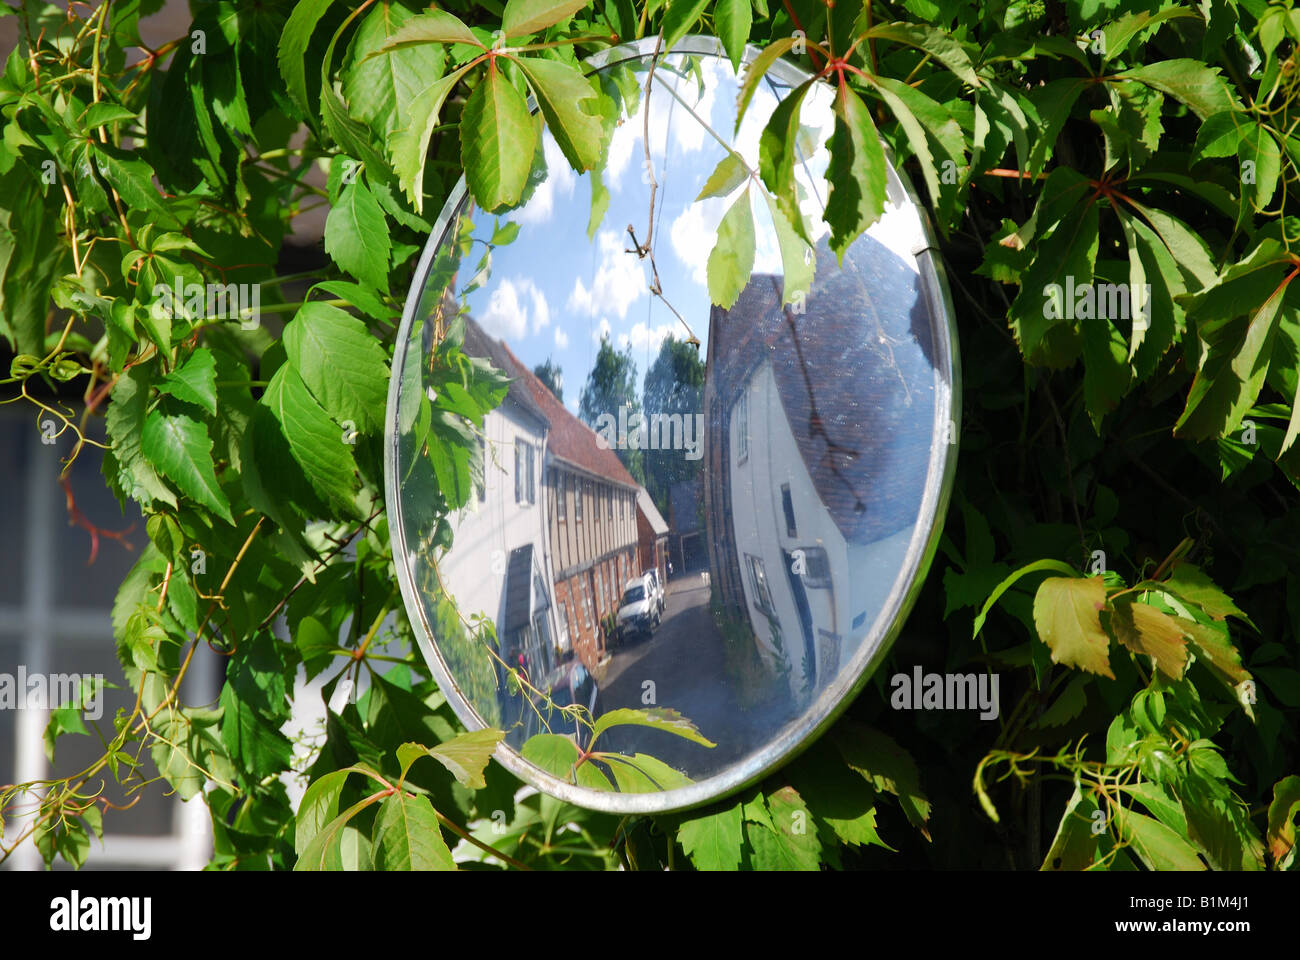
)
(854, 377)
(570, 439)
(652, 514)
(479, 344)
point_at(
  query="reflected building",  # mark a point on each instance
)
(652, 536)
(552, 534)
(499, 563)
(819, 426)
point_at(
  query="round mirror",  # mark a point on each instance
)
(664, 476)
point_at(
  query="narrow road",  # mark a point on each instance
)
(684, 660)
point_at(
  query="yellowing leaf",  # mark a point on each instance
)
(1067, 615)
(1144, 629)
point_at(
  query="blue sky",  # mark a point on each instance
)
(552, 293)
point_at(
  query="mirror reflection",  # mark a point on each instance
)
(679, 527)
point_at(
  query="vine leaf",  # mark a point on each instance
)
(314, 440)
(1145, 630)
(340, 362)
(524, 17)
(498, 138)
(465, 756)
(293, 49)
(1067, 615)
(407, 836)
(356, 235)
(713, 841)
(182, 451)
(732, 19)
(732, 259)
(563, 95)
(660, 718)
(408, 148)
(857, 172)
(1282, 812)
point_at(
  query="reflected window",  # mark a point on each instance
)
(758, 579)
(742, 427)
(787, 504)
(817, 575)
(578, 489)
(525, 479)
(561, 502)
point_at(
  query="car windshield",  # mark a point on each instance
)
(634, 594)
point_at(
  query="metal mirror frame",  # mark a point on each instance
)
(801, 732)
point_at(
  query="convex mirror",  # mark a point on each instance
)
(664, 478)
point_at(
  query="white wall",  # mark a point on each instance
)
(861, 575)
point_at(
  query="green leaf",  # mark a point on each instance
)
(1009, 582)
(857, 172)
(797, 262)
(1067, 615)
(553, 753)
(432, 26)
(679, 17)
(1190, 583)
(792, 844)
(886, 766)
(182, 451)
(133, 180)
(726, 176)
(567, 101)
(1156, 845)
(660, 718)
(1220, 134)
(940, 44)
(1282, 813)
(315, 441)
(497, 141)
(340, 362)
(356, 235)
(466, 755)
(195, 382)
(383, 83)
(1054, 103)
(1195, 84)
(778, 155)
(323, 851)
(407, 836)
(713, 841)
(126, 465)
(409, 147)
(1075, 845)
(524, 17)
(732, 259)
(732, 20)
(925, 122)
(293, 48)
(755, 71)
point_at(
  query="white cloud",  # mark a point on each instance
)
(688, 134)
(541, 309)
(560, 179)
(619, 282)
(510, 306)
(561, 338)
(602, 331)
(642, 337)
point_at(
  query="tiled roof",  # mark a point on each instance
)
(570, 438)
(854, 376)
(479, 344)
